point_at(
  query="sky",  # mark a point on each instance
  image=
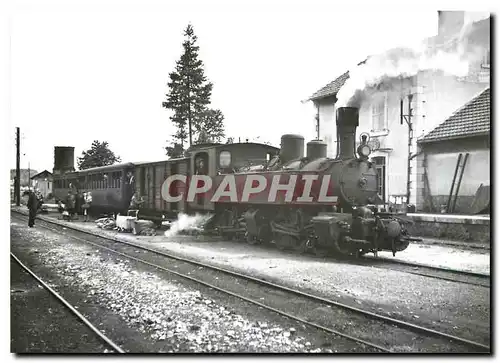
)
(94, 72)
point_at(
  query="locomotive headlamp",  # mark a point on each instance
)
(364, 151)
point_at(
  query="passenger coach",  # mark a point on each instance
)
(112, 186)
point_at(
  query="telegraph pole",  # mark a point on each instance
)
(407, 118)
(17, 184)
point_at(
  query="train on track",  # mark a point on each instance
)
(348, 222)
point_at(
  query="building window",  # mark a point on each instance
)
(224, 159)
(486, 59)
(379, 113)
(380, 167)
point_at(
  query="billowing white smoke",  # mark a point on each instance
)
(185, 223)
(385, 69)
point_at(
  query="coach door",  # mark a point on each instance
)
(174, 170)
(203, 163)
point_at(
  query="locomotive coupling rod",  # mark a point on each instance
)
(358, 241)
(231, 229)
(280, 229)
(413, 239)
(284, 231)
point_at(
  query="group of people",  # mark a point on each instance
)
(74, 201)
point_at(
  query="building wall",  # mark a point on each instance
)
(327, 126)
(436, 96)
(45, 186)
(441, 160)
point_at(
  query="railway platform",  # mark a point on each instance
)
(471, 229)
(443, 253)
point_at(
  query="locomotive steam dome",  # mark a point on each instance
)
(292, 147)
(64, 159)
(316, 149)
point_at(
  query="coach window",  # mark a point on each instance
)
(224, 159)
(380, 167)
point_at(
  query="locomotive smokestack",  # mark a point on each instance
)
(347, 122)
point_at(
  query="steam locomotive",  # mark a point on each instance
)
(352, 225)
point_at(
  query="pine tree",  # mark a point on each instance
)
(189, 97)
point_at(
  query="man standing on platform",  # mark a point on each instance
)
(32, 207)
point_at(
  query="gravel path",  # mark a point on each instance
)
(456, 308)
(176, 317)
(41, 324)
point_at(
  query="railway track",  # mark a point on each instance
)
(107, 341)
(442, 273)
(377, 332)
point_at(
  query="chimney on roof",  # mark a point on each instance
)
(450, 22)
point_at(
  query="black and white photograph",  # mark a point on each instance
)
(251, 178)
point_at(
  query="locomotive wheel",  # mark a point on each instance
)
(300, 245)
(340, 248)
(282, 242)
(251, 240)
(361, 253)
(320, 251)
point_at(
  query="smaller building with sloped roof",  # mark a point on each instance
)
(435, 94)
(457, 152)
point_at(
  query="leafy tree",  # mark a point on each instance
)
(99, 154)
(189, 97)
(210, 127)
(175, 151)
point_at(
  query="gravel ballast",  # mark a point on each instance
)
(173, 316)
(452, 307)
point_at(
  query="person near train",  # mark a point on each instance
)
(86, 205)
(32, 208)
(135, 204)
(70, 204)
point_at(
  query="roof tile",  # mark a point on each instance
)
(471, 119)
(331, 88)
